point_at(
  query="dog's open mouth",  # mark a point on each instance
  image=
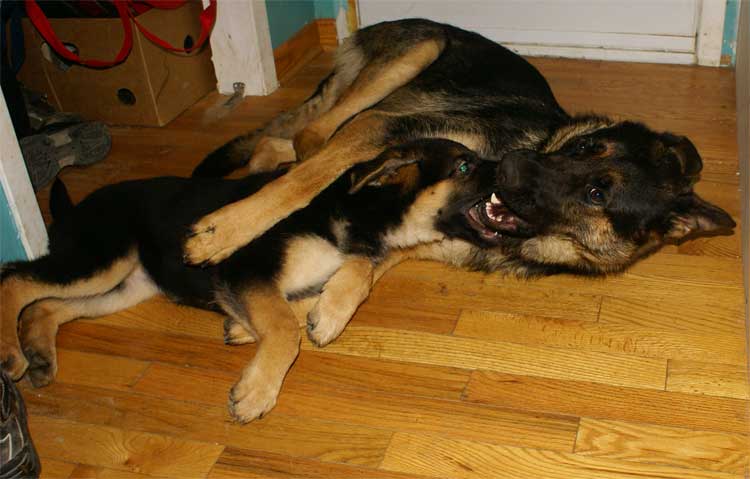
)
(492, 219)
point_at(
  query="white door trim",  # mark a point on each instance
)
(15, 182)
(710, 32)
(241, 48)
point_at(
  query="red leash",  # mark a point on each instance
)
(40, 21)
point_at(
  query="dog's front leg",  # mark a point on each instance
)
(278, 346)
(218, 235)
(341, 296)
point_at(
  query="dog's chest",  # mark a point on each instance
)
(309, 261)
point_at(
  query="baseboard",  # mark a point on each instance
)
(306, 44)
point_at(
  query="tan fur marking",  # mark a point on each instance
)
(551, 249)
(341, 297)
(373, 83)
(473, 141)
(16, 292)
(579, 128)
(270, 153)
(308, 261)
(278, 345)
(418, 224)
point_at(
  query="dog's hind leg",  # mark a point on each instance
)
(270, 146)
(341, 296)
(48, 277)
(374, 82)
(40, 321)
(265, 312)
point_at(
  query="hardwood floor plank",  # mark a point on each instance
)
(407, 413)
(54, 469)
(647, 443)
(442, 457)
(323, 440)
(614, 338)
(725, 380)
(441, 288)
(505, 357)
(120, 449)
(705, 314)
(241, 464)
(76, 367)
(582, 399)
(94, 472)
(370, 408)
(323, 369)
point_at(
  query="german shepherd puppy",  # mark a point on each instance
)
(582, 193)
(122, 245)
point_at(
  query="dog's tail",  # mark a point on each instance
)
(60, 204)
(229, 157)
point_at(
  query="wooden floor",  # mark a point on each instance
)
(442, 373)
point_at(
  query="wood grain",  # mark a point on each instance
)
(712, 451)
(442, 458)
(240, 464)
(726, 380)
(614, 338)
(582, 399)
(512, 358)
(120, 449)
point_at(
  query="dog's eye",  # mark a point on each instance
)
(584, 145)
(464, 167)
(596, 196)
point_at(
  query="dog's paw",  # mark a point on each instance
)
(322, 327)
(236, 334)
(207, 243)
(42, 366)
(12, 361)
(251, 399)
(307, 142)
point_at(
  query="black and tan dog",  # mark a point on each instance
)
(583, 193)
(122, 245)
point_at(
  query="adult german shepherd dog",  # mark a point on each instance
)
(574, 193)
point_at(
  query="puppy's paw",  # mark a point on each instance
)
(307, 142)
(42, 366)
(236, 334)
(251, 399)
(323, 327)
(12, 361)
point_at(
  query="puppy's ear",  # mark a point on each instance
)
(693, 216)
(681, 152)
(382, 170)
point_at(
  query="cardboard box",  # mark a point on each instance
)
(151, 87)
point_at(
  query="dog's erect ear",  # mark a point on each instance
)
(681, 151)
(693, 216)
(382, 170)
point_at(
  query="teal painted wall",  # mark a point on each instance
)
(11, 248)
(731, 21)
(287, 17)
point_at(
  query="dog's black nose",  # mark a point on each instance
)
(509, 171)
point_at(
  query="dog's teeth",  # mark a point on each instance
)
(495, 200)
